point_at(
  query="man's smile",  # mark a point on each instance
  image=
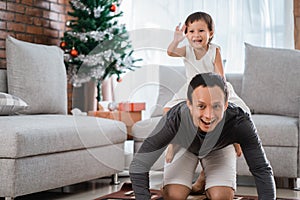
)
(206, 122)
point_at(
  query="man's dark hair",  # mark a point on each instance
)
(207, 80)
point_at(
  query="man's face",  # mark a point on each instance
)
(207, 107)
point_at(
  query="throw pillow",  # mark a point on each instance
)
(10, 104)
(36, 73)
(271, 80)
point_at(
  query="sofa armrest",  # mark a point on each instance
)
(3, 81)
(237, 82)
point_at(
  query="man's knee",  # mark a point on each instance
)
(173, 196)
(175, 192)
(220, 193)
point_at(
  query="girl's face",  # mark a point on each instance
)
(198, 34)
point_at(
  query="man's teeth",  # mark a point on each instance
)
(207, 123)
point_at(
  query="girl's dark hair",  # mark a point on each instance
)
(207, 80)
(201, 16)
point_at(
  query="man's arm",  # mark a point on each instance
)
(256, 159)
(149, 152)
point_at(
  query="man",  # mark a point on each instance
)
(203, 128)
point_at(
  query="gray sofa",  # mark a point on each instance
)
(270, 86)
(41, 146)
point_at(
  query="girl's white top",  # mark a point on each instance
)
(204, 65)
(193, 67)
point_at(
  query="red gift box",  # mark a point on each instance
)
(127, 106)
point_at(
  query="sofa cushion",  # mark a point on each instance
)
(282, 159)
(29, 135)
(36, 73)
(171, 80)
(275, 130)
(271, 80)
(10, 104)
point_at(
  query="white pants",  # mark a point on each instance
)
(219, 168)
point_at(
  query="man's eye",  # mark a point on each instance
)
(201, 107)
(217, 106)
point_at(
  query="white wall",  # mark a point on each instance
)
(140, 85)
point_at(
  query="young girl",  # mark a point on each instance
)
(201, 56)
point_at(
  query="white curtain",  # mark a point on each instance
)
(151, 24)
(267, 23)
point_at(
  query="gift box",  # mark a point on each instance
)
(131, 106)
(129, 118)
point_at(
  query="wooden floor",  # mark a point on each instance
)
(96, 188)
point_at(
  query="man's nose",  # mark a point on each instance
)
(208, 112)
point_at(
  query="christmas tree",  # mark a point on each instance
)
(95, 45)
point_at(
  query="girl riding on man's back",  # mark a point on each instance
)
(200, 56)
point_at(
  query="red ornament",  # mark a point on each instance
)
(119, 79)
(63, 44)
(113, 8)
(74, 52)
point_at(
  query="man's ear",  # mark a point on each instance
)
(226, 105)
(189, 104)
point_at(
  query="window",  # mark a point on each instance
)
(266, 23)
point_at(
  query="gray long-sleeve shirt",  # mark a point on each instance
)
(177, 127)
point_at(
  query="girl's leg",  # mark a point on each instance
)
(238, 149)
(170, 153)
(170, 149)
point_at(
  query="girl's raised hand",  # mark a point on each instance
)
(179, 34)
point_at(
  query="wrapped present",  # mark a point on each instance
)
(131, 106)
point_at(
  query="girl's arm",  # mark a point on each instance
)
(173, 49)
(219, 63)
